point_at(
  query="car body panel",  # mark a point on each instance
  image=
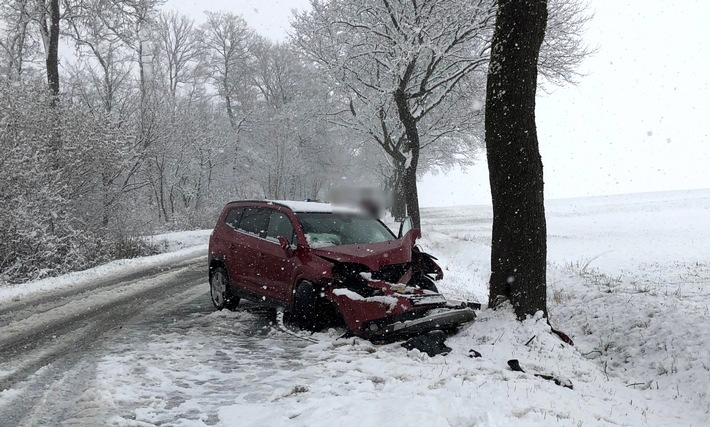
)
(397, 310)
(276, 269)
(244, 260)
(373, 255)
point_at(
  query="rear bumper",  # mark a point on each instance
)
(390, 329)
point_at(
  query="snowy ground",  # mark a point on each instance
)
(629, 278)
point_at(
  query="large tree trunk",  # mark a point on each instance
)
(52, 61)
(51, 36)
(396, 186)
(409, 180)
(519, 245)
(411, 194)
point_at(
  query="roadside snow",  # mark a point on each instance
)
(178, 247)
(358, 384)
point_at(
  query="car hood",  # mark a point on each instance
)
(373, 255)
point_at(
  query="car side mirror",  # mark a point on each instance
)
(286, 246)
(405, 226)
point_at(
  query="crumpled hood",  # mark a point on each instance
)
(373, 255)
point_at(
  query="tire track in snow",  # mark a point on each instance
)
(11, 311)
(49, 356)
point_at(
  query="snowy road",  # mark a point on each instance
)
(57, 348)
(49, 345)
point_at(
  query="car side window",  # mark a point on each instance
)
(233, 217)
(279, 225)
(255, 221)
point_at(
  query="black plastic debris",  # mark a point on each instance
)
(473, 305)
(563, 382)
(431, 343)
(515, 365)
(473, 353)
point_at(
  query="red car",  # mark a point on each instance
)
(325, 264)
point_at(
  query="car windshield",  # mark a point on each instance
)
(332, 229)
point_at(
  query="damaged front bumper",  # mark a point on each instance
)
(385, 312)
(415, 323)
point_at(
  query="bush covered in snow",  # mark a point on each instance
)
(55, 196)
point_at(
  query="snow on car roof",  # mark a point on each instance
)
(298, 206)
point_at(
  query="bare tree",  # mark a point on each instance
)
(130, 22)
(563, 48)
(519, 242)
(298, 153)
(227, 39)
(51, 29)
(178, 48)
(275, 71)
(104, 56)
(17, 43)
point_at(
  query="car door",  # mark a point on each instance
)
(231, 245)
(252, 233)
(275, 265)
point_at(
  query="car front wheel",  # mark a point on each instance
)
(220, 292)
(308, 307)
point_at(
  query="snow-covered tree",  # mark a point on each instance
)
(299, 152)
(18, 43)
(52, 199)
(397, 63)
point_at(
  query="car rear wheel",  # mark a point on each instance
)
(220, 291)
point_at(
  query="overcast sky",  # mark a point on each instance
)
(638, 121)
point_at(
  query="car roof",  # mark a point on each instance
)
(301, 206)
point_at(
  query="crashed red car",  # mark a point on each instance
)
(324, 264)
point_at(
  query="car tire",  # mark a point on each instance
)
(220, 290)
(308, 307)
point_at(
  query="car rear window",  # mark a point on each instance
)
(233, 217)
(335, 229)
(255, 221)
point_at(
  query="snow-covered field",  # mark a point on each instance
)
(628, 280)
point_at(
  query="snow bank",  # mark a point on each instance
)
(355, 383)
(177, 247)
